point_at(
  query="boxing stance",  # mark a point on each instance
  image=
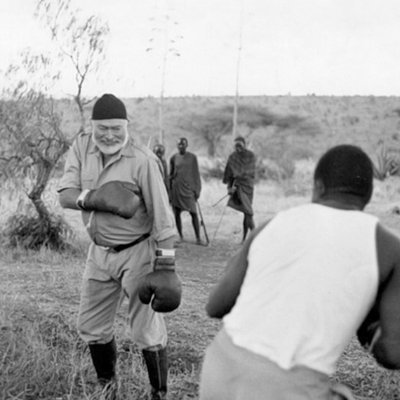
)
(118, 187)
(300, 288)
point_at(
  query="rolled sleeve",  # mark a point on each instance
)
(71, 176)
(155, 197)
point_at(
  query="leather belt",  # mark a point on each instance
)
(125, 246)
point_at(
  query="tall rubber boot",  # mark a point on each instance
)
(157, 368)
(104, 357)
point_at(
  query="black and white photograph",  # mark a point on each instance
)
(199, 200)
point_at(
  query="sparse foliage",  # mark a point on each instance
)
(79, 39)
(215, 123)
(32, 144)
(30, 125)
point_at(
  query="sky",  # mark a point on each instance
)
(322, 47)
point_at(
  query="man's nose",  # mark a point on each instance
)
(109, 132)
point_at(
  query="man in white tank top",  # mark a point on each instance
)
(300, 288)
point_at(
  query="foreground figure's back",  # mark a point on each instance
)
(299, 289)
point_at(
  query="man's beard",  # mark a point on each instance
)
(110, 149)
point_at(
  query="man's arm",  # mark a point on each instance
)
(70, 183)
(156, 201)
(223, 296)
(171, 169)
(386, 349)
(68, 198)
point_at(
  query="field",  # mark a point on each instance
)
(41, 354)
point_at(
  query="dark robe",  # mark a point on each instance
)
(165, 173)
(185, 181)
(240, 172)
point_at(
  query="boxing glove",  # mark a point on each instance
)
(116, 197)
(162, 287)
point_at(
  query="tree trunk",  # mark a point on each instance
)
(78, 101)
(212, 146)
(239, 54)
(35, 195)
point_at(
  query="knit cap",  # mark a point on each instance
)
(108, 107)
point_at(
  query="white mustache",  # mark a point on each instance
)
(110, 142)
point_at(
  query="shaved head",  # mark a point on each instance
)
(346, 170)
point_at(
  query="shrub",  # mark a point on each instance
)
(212, 168)
(31, 232)
(276, 170)
(387, 162)
(266, 168)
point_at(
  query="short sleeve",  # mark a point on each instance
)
(72, 176)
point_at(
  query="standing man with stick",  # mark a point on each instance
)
(185, 186)
(118, 187)
(239, 176)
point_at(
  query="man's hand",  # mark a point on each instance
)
(370, 328)
(116, 197)
(231, 190)
(369, 335)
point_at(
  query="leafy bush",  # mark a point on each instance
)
(266, 168)
(276, 170)
(387, 163)
(31, 232)
(211, 168)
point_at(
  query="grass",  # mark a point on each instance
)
(42, 356)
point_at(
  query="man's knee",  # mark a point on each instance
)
(90, 332)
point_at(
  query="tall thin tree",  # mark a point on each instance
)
(238, 62)
(163, 42)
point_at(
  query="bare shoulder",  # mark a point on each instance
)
(388, 251)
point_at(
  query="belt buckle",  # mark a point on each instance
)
(107, 248)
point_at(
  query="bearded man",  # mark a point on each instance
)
(118, 187)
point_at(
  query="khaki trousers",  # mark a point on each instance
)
(108, 277)
(230, 372)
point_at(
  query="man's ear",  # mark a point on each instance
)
(318, 189)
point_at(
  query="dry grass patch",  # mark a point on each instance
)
(42, 356)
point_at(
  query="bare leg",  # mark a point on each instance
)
(248, 223)
(178, 221)
(196, 225)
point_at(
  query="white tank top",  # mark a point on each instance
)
(311, 279)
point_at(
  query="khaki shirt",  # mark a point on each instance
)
(134, 163)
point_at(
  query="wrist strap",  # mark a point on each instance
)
(80, 201)
(165, 252)
(165, 259)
